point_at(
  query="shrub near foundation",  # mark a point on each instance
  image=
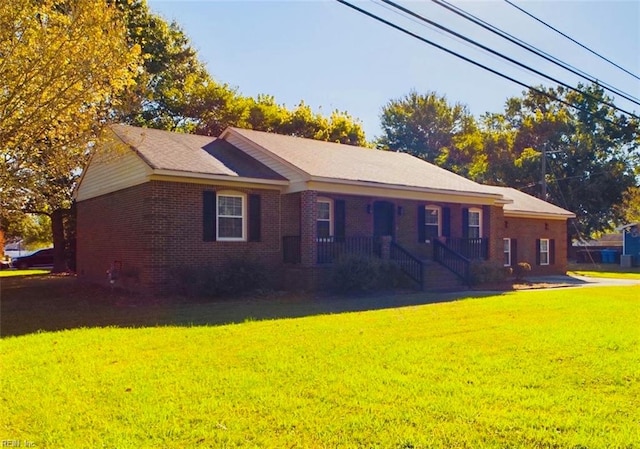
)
(487, 272)
(353, 274)
(237, 276)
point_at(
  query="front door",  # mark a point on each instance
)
(383, 218)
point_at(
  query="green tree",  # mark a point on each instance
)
(590, 152)
(63, 65)
(428, 127)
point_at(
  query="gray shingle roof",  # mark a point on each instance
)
(345, 162)
(189, 153)
(525, 203)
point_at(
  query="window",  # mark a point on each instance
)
(431, 222)
(544, 251)
(475, 223)
(507, 252)
(324, 208)
(231, 213)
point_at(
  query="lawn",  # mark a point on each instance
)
(604, 271)
(14, 273)
(544, 368)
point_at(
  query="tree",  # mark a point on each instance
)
(590, 151)
(629, 208)
(428, 127)
(63, 65)
(175, 92)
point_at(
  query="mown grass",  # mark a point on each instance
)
(552, 368)
(15, 273)
(611, 271)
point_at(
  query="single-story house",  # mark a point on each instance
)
(150, 201)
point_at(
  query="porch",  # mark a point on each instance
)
(455, 254)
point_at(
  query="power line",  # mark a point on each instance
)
(571, 39)
(501, 55)
(532, 49)
(464, 58)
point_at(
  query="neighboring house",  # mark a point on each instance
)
(151, 201)
(631, 245)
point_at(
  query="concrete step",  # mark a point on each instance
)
(438, 278)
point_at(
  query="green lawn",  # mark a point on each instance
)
(531, 369)
(13, 273)
(604, 271)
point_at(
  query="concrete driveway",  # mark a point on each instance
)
(583, 281)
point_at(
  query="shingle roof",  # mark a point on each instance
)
(345, 162)
(527, 204)
(189, 153)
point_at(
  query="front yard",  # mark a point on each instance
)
(538, 368)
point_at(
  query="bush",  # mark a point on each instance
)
(236, 276)
(485, 272)
(356, 273)
(521, 269)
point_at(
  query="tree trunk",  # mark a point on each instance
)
(59, 244)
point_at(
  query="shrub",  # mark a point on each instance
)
(485, 272)
(356, 273)
(236, 276)
(521, 269)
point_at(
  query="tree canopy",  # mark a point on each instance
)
(591, 153)
(63, 66)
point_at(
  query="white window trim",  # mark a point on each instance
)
(547, 252)
(439, 209)
(479, 212)
(243, 197)
(505, 240)
(329, 201)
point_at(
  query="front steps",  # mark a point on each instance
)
(438, 278)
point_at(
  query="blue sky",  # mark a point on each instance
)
(331, 57)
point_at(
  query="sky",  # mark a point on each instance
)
(331, 57)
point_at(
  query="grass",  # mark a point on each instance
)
(544, 368)
(604, 271)
(15, 273)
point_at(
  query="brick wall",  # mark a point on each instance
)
(158, 226)
(527, 231)
(115, 227)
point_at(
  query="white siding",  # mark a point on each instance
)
(110, 172)
(282, 168)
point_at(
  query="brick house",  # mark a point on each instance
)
(150, 201)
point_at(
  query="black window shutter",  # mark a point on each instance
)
(552, 251)
(255, 218)
(339, 219)
(422, 236)
(446, 222)
(486, 211)
(514, 252)
(465, 222)
(209, 216)
(537, 251)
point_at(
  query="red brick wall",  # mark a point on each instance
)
(157, 227)
(114, 227)
(527, 231)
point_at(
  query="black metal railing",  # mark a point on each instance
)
(408, 263)
(291, 249)
(454, 261)
(330, 248)
(472, 249)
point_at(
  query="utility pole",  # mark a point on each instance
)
(543, 182)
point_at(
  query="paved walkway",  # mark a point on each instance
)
(583, 281)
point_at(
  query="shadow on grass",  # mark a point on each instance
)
(50, 303)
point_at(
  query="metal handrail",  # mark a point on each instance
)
(452, 260)
(408, 263)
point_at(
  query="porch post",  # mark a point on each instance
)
(308, 224)
(385, 251)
